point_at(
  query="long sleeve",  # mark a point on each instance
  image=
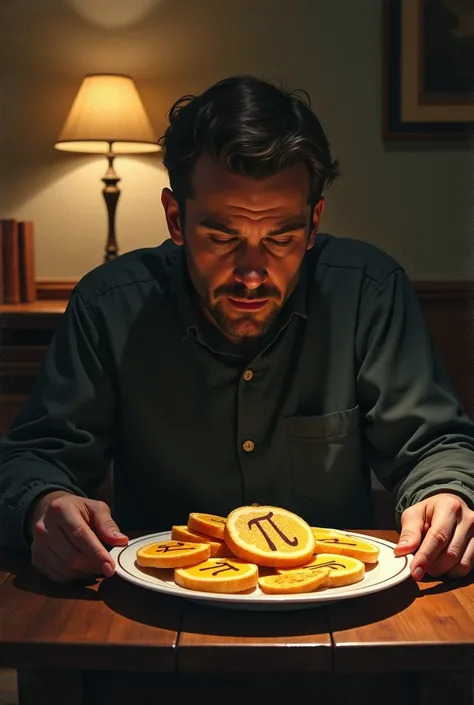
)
(418, 438)
(62, 437)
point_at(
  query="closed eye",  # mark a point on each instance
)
(279, 243)
(221, 241)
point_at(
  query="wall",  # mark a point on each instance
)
(415, 203)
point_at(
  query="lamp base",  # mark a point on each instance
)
(111, 193)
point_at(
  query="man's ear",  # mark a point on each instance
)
(173, 220)
(317, 214)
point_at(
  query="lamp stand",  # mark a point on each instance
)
(111, 194)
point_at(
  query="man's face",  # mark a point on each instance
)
(244, 241)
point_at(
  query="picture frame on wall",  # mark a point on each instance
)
(428, 70)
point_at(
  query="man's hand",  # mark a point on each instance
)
(66, 530)
(440, 531)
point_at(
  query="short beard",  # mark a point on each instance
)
(230, 326)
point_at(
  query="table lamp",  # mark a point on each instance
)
(108, 117)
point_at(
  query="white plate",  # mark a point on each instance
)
(389, 571)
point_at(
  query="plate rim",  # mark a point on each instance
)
(258, 599)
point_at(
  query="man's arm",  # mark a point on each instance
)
(418, 438)
(62, 437)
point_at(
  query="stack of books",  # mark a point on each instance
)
(17, 262)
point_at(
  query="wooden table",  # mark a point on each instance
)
(108, 640)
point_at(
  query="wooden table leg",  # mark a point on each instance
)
(446, 688)
(49, 687)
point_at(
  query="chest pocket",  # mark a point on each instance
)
(324, 453)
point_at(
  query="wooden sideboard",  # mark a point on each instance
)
(26, 331)
(449, 312)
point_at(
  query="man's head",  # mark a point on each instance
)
(247, 164)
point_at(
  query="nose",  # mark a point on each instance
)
(250, 267)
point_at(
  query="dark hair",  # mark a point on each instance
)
(254, 127)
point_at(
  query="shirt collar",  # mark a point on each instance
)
(183, 295)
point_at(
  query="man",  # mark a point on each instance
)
(246, 359)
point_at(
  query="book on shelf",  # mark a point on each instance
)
(11, 262)
(2, 278)
(17, 261)
(26, 242)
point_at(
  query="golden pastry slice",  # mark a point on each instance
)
(320, 533)
(208, 524)
(172, 554)
(269, 536)
(294, 581)
(343, 570)
(347, 546)
(219, 548)
(223, 575)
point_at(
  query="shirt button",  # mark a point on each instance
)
(248, 446)
(248, 374)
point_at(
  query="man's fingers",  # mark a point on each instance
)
(54, 555)
(74, 559)
(438, 536)
(452, 553)
(466, 563)
(66, 526)
(63, 568)
(49, 569)
(52, 566)
(105, 526)
(458, 544)
(84, 539)
(413, 524)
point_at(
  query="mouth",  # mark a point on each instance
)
(246, 305)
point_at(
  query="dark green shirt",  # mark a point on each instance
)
(345, 381)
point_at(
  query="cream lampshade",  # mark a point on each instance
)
(108, 117)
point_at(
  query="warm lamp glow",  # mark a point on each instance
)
(107, 113)
(108, 117)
